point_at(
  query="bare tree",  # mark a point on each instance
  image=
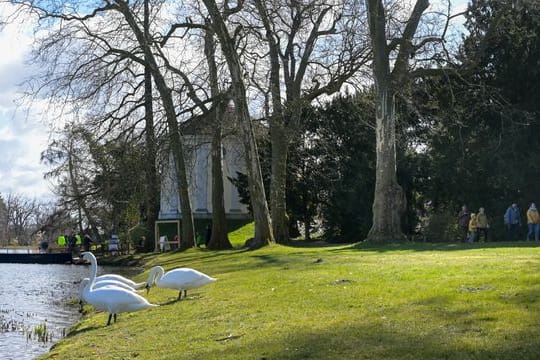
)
(314, 47)
(113, 51)
(395, 45)
(21, 217)
(3, 223)
(219, 238)
(152, 181)
(263, 229)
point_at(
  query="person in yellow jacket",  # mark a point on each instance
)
(533, 222)
(78, 240)
(61, 240)
(472, 228)
(482, 224)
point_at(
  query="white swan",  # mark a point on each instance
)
(100, 284)
(181, 279)
(110, 298)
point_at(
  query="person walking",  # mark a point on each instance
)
(87, 240)
(482, 224)
(512, 222)
(533, 222)
(472, 228)
(463, 223)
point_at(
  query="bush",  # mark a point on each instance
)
(440, 227)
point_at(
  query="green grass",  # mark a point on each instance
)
(240, 235)
(410, 301)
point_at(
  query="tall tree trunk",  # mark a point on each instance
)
(278, 188)
(152, 184)
(389, 200)
(219, 238)
(279, 136)
(175, 139)
(263, 229)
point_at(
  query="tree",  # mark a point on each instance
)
(3, 223)
(152, 182)
(344, 147)
(389, 201)
(175, 138)
(263, 229)
(219, 238)
(99, 182)
(313, 49)
(104, 68)
(484, 149)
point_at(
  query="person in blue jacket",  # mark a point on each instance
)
(512, 222)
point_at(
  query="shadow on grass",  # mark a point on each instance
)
(384, 339)
(82, 330)
(416, 246)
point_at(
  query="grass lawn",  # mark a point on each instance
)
(409, 301)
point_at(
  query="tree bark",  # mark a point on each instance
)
(279, 137)
(389, 201)
(152, 183)
(263, 230)
(278, 189)
(219, 238)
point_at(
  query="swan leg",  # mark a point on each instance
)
(109, 322)
(114, 317)
(185, 294)
(180, 295)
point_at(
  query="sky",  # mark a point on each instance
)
(23, 135)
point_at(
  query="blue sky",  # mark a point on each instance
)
(23, 136)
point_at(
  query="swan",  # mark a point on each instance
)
(179, 279)
(100, 284)
(110, 298)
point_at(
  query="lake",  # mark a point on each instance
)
(33, 296)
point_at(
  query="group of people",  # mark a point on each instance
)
(474, 226)
(74, 241)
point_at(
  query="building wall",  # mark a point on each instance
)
(199, 167)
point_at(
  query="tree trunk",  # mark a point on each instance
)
(389, 200)
(219, 238)
(279, 136)
(263, 230)
(278, 189)
(152, 184)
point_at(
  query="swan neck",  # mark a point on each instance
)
(93, 271)
(160, 273)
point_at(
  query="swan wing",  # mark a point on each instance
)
(103, 283)
(116, 300)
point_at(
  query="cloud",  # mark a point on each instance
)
(22, 135)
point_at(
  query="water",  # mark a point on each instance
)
(32, 295)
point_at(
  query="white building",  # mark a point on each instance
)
(197, 147)
(199, 168)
